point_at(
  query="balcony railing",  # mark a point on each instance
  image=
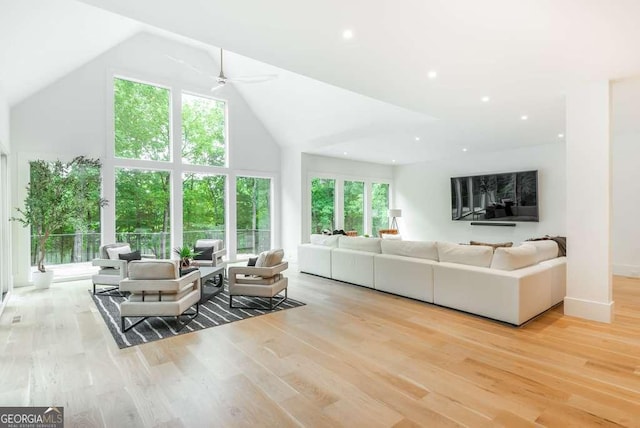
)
(84, 247)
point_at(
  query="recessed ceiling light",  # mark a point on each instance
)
(560, 135)
(464, 150)
(345, 153)
(393, 160)
(432, 74)
(524, 117)
(347, 34)
(417, 138)
(485, 99)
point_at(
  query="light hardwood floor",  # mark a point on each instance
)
(351, 357)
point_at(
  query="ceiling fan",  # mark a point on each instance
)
(221, 79)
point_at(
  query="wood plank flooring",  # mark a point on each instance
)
(352, 357)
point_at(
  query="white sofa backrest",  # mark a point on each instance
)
(371, 245)
(326, 240)
(547, 249)
(473, 255)
(515, 257)
(417, 249)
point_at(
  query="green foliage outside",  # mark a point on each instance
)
(354, 206)
(142, 124)
(379, 207)
(203, 207)
(62, 197)
(143, 210)
(253, 214)
(203, 126)
(322, 204)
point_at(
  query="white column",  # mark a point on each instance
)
(589, 202)
(293, 212)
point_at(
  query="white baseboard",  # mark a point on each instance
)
(632, 271)
(588, 309)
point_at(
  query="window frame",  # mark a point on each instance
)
(176, 167)
(339, 198)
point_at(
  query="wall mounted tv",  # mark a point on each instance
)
(510, 196)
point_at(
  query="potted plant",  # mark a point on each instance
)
(57, 195)
(186, 254)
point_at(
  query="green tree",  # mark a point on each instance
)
(142, 121)
(322, 204)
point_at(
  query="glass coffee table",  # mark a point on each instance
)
(212, 282)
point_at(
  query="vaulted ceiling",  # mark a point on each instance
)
(371, 95)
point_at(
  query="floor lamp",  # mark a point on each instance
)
(394, 213)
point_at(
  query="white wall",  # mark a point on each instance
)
(625, 152)
(423, 192)
(291, 182)
(72, 116)
(4, 123)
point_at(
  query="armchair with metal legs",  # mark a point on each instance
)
(158, 290)
(260, 281)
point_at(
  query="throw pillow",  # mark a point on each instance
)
(252, 261)
(130, 256)
(206, 253)
(514, 258)
(270, 258)
(496, 245)
(115, 251)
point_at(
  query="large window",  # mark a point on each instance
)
(253, 214)
(203, 207)
(322, 204)
(142, 121)
(143, 210)
(155, 175)
(379, 207)
(354, 206)
(203, 131)
(77, 241)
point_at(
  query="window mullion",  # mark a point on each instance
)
(176, 176)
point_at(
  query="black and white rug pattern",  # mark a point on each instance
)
(213, 312)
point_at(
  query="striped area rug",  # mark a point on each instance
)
(213, 313)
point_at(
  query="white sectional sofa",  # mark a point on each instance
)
(509, 284)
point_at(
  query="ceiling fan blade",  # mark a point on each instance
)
(254, 79)
(219, 86)
(186, 64)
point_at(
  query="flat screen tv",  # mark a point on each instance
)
(511, 196)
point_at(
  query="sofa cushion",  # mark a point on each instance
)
(391, 236)
(474, 255)
(547, 249)
(417, 249)
(114, 252)
(370, 245)
(494, 246)
(515, 257)
(326, 240)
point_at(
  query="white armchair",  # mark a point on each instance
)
(158, 290)
(264, 280)
(217, 253)
(112, 271)
(112, 268)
